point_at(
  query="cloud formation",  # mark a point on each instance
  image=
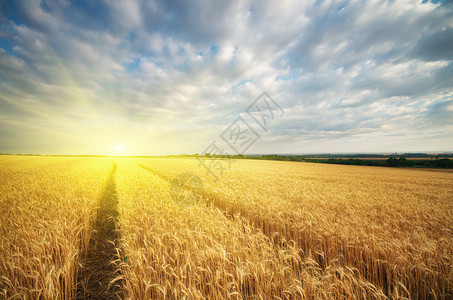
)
(167, 77)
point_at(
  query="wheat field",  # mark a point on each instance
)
(110, 228)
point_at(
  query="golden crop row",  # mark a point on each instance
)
(175, 252)
(392, 225)
(47, 206)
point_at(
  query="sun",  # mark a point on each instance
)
(118, 148)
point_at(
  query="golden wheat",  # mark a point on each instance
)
(46, 208)
(105, 228)
(173, 252)
(392, 225)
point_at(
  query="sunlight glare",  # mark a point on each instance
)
(118, 148)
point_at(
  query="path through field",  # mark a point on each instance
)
(98, 268)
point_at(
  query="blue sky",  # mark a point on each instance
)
(168, 77)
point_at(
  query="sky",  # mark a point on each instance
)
(171, 77)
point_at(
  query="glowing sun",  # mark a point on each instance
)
(118, 148)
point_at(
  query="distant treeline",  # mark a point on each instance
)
(422, 161)
(382, 156)
(433, 162)
(394, 162)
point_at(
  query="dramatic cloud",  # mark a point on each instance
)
(168, 77)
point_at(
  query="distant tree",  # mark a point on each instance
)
(403, 162)
(392, 162)
(445, 163)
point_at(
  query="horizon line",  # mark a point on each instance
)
(251, 154)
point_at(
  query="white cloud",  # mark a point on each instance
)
(343, 70)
